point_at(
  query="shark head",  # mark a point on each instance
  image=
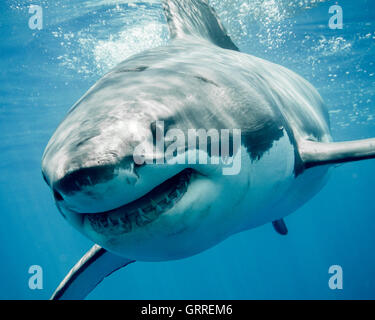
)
(139, 175)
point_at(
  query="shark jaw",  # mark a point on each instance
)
(138, 213)
(144, 210)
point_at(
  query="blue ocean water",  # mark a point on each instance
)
(43, 72)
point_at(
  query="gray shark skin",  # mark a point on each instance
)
(159, 212)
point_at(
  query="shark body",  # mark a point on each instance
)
(160, 211)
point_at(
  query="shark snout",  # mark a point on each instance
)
(96, 188)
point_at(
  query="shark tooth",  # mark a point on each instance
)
(126, 224)
(113, 222)
(142, 220)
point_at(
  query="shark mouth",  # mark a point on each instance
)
(144, 210)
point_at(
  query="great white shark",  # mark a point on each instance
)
(160, 212)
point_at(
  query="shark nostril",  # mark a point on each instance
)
(58, 196)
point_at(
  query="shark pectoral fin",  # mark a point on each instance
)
(280, 227)
(318, 153)
(196, 18)
(94, 266)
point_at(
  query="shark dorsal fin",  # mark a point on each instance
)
(196, 18)
(315, 154)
